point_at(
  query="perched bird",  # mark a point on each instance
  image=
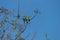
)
(26, 19)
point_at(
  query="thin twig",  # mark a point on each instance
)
(34, 36)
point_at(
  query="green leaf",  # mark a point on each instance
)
(12, 20)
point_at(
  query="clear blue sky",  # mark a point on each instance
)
(48, 21)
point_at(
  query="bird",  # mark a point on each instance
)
(26, 19)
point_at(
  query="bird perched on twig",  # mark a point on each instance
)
(26, 19)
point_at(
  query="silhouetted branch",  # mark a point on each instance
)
(14, 23)
(47, 36)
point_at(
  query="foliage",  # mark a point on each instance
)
(14, 23)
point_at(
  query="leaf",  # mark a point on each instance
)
(36, 11)
(12, 20)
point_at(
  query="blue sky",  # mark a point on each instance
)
(47, 21)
